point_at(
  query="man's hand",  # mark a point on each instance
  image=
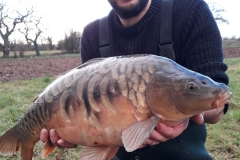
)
(55, 139)
(162, 133)
(213, 116)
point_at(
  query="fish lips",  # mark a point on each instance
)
(221, 99)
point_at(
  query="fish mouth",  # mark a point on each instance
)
(221, 100)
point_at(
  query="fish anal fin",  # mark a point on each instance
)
(26, 153)
(112, 153)
(47, 149)
(9, 144)
(98, 153)
(135, 135)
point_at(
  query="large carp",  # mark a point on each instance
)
(112, 102)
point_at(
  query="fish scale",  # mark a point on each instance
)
(110, 102)
(48, 97)
(90, 91)
(54, 91)
(138, 69)
(102, 69)
(115, 71)
(123, 67)
(105, 99)
(62, 101)
(129, 70)
(122, 82)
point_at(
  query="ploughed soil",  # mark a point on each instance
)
(28, 68)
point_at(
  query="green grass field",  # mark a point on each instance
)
(15, 99)
(223, 140)
(44, 54)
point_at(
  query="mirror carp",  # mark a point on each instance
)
(106, 103)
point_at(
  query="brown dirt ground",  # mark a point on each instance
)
(40, 67)
(35, 67)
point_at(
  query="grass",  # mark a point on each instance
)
(223, 141)
(15, 99)
(44, 54)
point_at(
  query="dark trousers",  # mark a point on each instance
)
(115, 158)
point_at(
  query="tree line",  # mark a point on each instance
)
(30, 26)
(70, 44)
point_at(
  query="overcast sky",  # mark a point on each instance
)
(59, 16)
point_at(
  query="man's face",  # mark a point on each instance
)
(128, 8)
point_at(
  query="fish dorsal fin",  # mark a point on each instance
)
(92, 61)
(134, 55)
(96, 60)
(135, 135)
(98, 153)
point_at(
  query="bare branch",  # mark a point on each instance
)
(39, 30)
(10, 27)
(26, 33)
(20, 19)
(9, 19)
(217, 13)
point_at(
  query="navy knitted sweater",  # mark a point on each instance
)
(197, 46)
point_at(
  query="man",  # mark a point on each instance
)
(134, 28)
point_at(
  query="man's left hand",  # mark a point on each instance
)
(214, 115)
(211, 116)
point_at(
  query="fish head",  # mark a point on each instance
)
(177, 94)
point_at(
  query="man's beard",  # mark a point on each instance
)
(127, 13)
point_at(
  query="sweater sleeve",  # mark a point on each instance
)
(89, 42)
(202, 45)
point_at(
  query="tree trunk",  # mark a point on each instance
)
(6, 48)
(36, 48)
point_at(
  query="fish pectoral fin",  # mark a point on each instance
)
(47, 149)
(98, 153)
(135, 135)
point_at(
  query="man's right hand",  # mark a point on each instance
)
(55, 139)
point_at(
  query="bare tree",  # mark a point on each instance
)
(217, 11)
(26, 32)
(8, 25)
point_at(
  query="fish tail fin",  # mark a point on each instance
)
(47, 149)
(9, 144)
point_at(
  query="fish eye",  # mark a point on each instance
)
(191, 86)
